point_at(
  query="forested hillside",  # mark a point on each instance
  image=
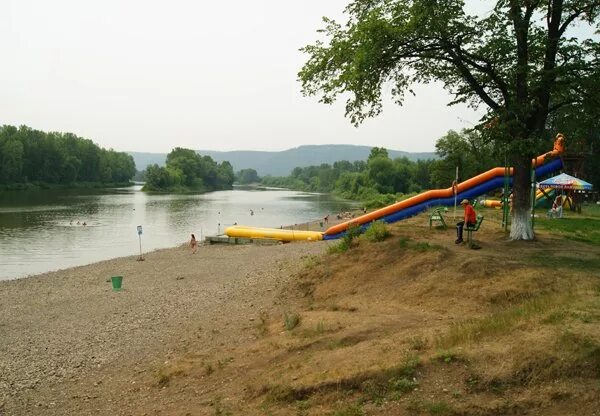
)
(383, 179)
(281, 163)
(29, 156)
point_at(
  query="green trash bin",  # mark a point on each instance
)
(117, 281)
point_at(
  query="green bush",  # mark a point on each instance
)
(377, 232)
(340, 247)
(352, 232)
(346, 242)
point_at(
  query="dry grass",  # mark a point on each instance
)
(415, 325)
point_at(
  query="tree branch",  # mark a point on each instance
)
(472, 81)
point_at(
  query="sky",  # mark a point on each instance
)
(145, 75)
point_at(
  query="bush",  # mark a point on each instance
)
(290, 320)
(340, 247)
(352, 232)
(346, 242)
(377, 232)
(378, 200)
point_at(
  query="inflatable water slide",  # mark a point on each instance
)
(469, 189)
(541, 199)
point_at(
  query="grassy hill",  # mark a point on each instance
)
(281, 163)
(416, 325)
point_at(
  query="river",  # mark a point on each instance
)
(39, 230)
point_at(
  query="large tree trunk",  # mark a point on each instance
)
(521, 226)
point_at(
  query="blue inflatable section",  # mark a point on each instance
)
(482, 188)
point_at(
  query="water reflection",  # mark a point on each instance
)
(39, 230)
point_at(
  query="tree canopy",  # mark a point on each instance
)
(186, 170)
(519, 61)
(247, 176)
(33, 156)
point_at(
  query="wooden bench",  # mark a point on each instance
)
(473, 228)
(436, 215)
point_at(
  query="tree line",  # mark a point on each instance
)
(29, 156)
(375, 182)
(381, 180)
(186, 170)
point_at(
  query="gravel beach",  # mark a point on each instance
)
(69, 344)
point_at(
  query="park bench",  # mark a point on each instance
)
(473, 228)
(436, 215)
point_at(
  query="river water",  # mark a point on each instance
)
(39, 230)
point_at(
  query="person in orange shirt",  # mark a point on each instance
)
(470, 219)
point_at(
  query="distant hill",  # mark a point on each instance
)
(281, 163)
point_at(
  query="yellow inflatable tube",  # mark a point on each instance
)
(490, 203)
(273, 233)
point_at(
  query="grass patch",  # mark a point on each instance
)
(339, 343)
(425, 246)
(281, 394)
(348, 240)
(421, 246)
(377, 232)
(573, 355)
(320, 327)
(392, 383)
(585, 352)
(340, 247)
(311, 261)
(438, 408)
(446, 356)
(352, 410)
(263, 325)
(317, 331)
(556, 317)
(585, 230)
(554, 262)
(418, 406)
(418, 343)
(290, 320)
(403, 242)
(387, 383)
(501, 322)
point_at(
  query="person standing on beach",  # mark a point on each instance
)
(193, 243)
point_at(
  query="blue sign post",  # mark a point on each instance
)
(139, 231)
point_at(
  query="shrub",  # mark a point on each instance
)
(290, 320)
(340, 247)
(352, 232)
(377, 232)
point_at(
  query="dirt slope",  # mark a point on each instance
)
(414, 325)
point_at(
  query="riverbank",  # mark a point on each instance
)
(413, 325)
(66, 333)
(34, 186)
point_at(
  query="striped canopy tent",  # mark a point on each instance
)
(566, 182)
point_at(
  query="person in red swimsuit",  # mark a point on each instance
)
(470, 219)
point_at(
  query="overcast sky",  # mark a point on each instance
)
(149, 75)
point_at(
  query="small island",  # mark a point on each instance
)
(187, 171)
